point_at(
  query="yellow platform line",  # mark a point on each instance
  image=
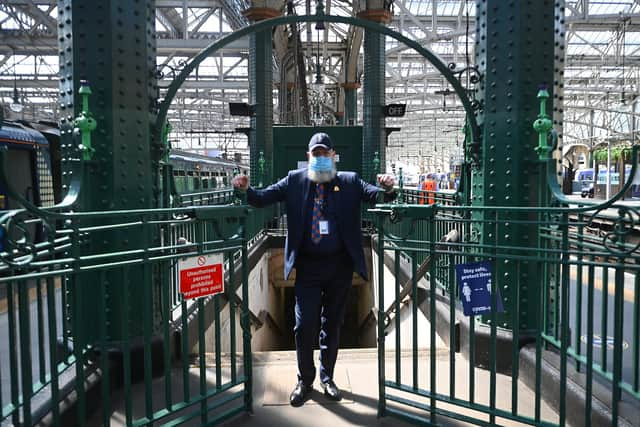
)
(32, 296)
(598, 283)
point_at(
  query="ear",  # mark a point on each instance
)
(308, 156)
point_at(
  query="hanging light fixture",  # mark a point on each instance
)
(318, 83)
(319, 80)
(15, 105)
(318, 97)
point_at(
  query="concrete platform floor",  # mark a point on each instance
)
(356, 374)
(359, 407)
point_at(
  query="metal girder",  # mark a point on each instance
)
(354, 43)
(573, 22)
(159, 3)
(213, 84)
(233, 10)
(39, 16)
(407, 82)
(24, 44)
(171, 20)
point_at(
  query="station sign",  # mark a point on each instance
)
(395, 110)
(201, 275)
(474, 286)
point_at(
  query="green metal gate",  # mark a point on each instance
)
(50, 363)
(586, 310)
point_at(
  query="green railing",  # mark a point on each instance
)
(46, 356)
(418, 231)
(575, 301)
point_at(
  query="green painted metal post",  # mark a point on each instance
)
(350, 103)
(376, 167)
(261, 170)
(523, 34)
(400, 197)
(166, 130)
(373, 134)
(112, 45)
(382, 403)
(261, 94)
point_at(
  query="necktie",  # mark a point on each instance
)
(317, 214)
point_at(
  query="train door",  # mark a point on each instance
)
(19, 167)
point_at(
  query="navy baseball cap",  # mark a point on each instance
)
(322, 140)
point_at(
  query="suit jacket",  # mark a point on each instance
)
(344, 196)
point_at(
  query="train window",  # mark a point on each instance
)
(196, 183)
(205, 183)
(225, 180)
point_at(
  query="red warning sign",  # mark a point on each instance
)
(201, 276)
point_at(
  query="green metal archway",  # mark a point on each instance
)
(443, 68)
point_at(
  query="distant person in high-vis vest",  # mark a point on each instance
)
(429, 189)
(324, 245)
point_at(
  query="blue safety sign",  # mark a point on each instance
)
(474, 285)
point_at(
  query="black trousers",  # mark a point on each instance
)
(321, 290)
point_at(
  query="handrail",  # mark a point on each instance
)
(556, 191)
(451, 237)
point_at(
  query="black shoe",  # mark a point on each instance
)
(332, 391)
(300, 394)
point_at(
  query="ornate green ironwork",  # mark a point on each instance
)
(85, 122)
(60, 257)
(261, 169)
(543, 125)
(400, 196)
(376, 166)
(266, 24)
(165, 141)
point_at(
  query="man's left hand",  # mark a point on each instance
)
(386, 181)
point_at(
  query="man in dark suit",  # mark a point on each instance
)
(324, 244)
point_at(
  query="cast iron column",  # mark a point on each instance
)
(261, 94)
(515, 55)
(373, 133)
(111, 44)
(350, 103)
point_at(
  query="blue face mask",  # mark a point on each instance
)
(321, 164)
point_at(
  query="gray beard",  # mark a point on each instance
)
(322, 177)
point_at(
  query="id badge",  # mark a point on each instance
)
(324, 227)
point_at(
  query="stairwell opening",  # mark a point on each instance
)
(358, 329)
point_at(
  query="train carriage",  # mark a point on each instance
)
(195, 173)
(27, 164)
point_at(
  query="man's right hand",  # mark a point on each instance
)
(240, 182)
